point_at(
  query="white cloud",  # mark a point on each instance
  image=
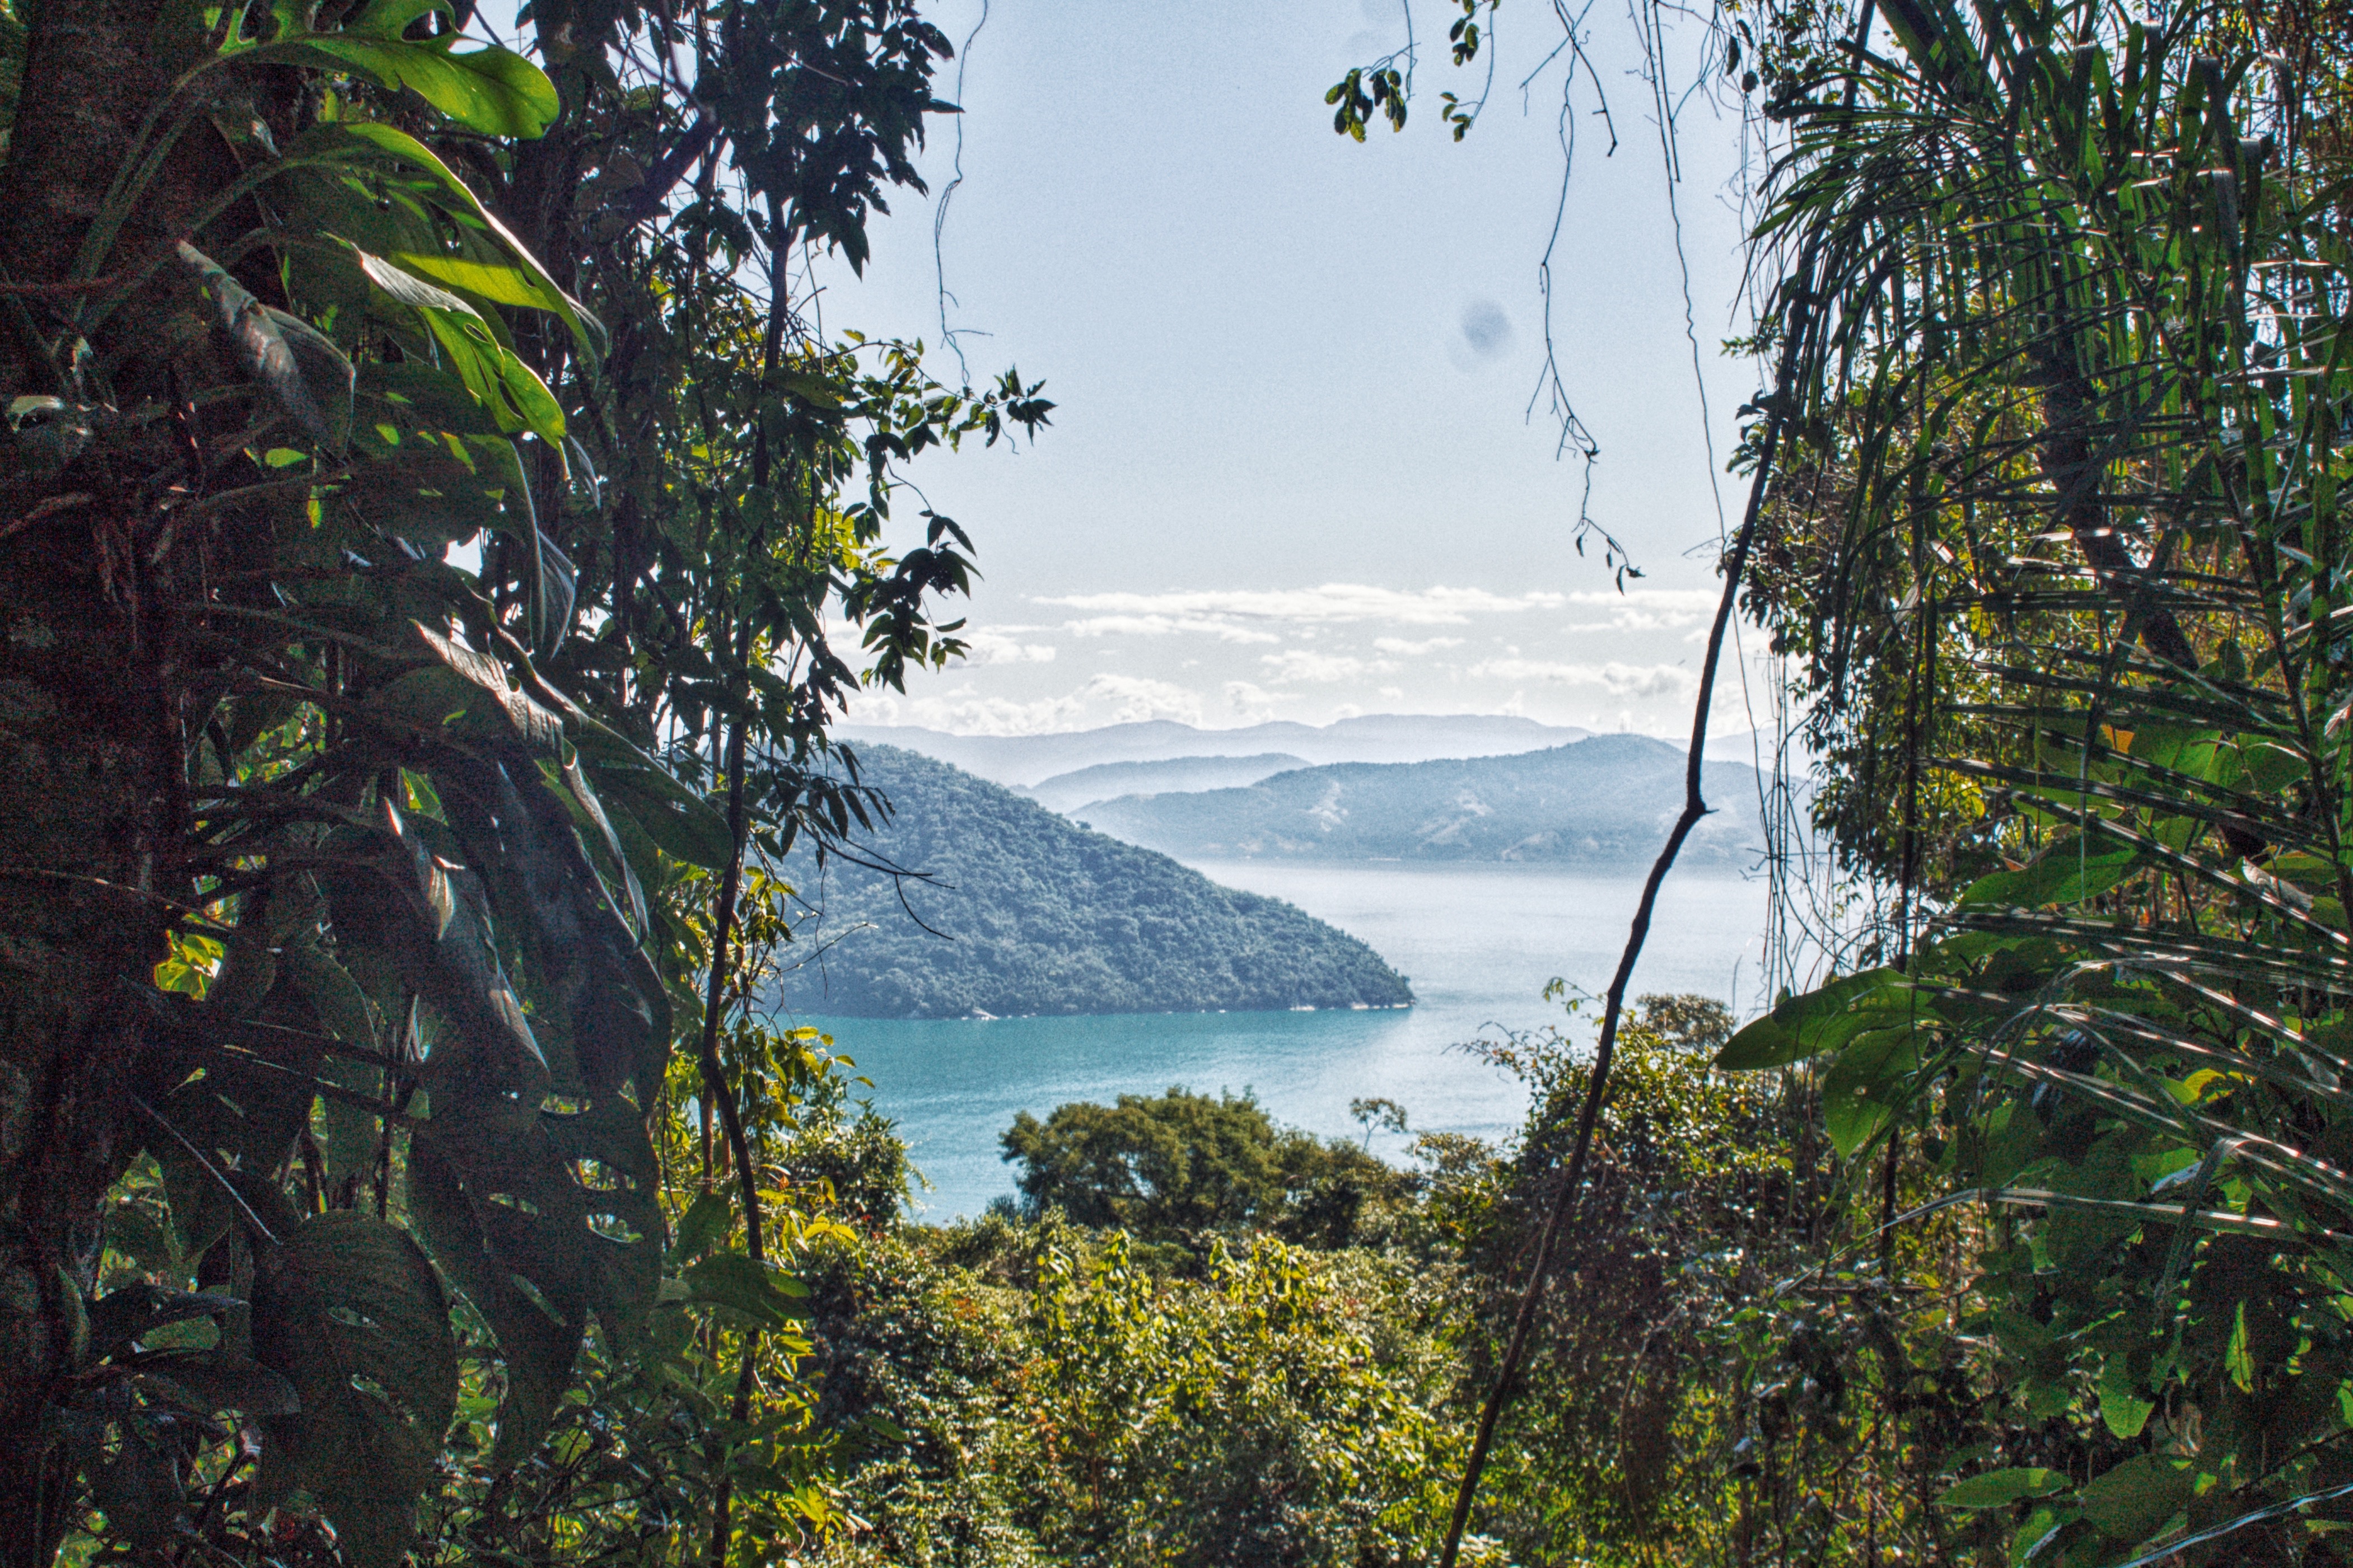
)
(1300, 664)
(991, 645)
(1692, 600)
(1411, 649)
(1165, 625)
(1133, 698)
(1255, 702)
(1104, 699)
(1646, 609)
(1247, 614)
(963, 713)
(1634, 680)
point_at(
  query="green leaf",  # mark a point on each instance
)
(538, 1329)
(1821, 1020)
(350, 1312)
(133, 1233)
(210, 1381)
(434, 929)
(1865, 1084)
(2000, 1489)
(509, 392)
(684, 825)
(121, 1317)
(2068, 872)
(2122, 1405)
(428, 179)
(306, 374)
(537, 726)
(736, 1283)
(490, 91)
(2133, 1501)
(706, 1221)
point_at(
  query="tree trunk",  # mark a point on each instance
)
(91, 804)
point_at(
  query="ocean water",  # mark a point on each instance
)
(1477, 942)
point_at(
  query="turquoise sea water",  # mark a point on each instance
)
(1477, 942)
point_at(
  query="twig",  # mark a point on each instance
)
(48, 508)
(209, 1168)
(1565, 1202)
(60, 290)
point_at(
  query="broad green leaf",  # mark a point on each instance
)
(2067, 873)
(1821, 1020)
(706, 1219)
(128, 1314)
(433, 931)
(2131, 1501)
(343, 1008)
(428, 179)
(1864, 1084)
(135, 1233)
(538, 727)
(350, 1312)
(538, 1331)
(209, 1381)
(2122, 1405)
(490, 91)
(2000, 1489)
(684, 825)
(733, 1281)
(306, 374)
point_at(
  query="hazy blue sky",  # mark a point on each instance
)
(1294, 472)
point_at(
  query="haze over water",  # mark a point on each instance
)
(1479, 942)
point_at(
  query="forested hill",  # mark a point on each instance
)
(1041, 916)
(1604, 801)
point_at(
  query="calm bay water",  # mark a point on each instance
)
(1477, 942)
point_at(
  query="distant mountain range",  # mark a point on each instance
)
(1373, 738)
(1067, 792)
(1038, 915)
(1607, 800)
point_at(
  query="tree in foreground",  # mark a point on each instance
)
(2056, 544)
(356, 890)
(2047, 518)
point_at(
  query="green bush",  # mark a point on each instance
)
(1180, 1163)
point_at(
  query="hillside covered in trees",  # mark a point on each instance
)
(1029, 913)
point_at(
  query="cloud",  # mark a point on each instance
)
(963, 713)
(1647, 609)
(1255, 702)
(1103, 700)
(1302, 664)
(1255, 615)
(989, 645)
(1165, 625)
(1428, 645)
(1631, 681)
(1134, 698)
(1695, 600)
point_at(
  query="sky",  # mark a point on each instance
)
(1302, 464)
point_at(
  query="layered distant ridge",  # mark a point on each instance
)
(1607, 801)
